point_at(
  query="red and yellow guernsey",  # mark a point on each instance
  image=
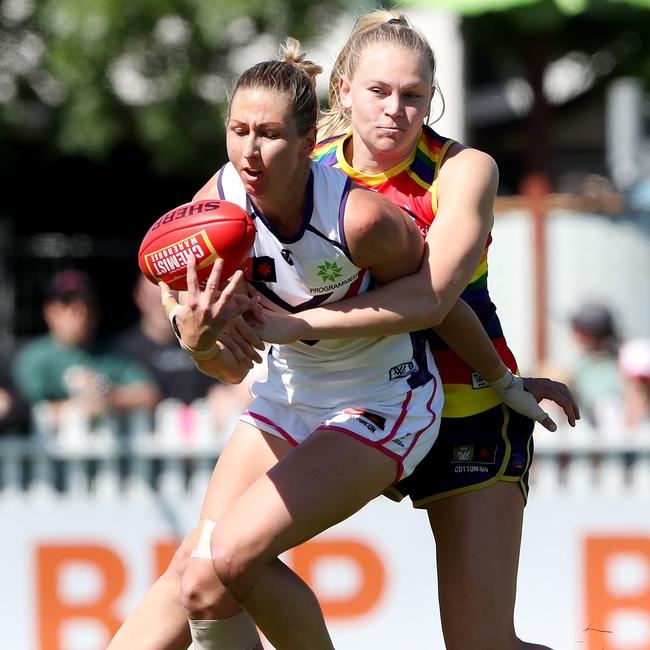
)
(413, 186)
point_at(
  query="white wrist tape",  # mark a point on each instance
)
(510, 388)
(197, 355)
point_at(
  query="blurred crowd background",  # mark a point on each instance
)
(111, 113)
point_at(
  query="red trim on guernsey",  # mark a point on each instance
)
(353, 289)
(453, 370)
(400, 419)
(280, 430)
(371, 443)
(433, 419)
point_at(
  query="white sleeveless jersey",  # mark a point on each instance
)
(314, 268)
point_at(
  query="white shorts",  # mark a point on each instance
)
(404, 430)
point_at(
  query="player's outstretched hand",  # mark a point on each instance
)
(542, 388)
(524, 394)
(207, 313)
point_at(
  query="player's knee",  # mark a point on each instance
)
(201, 593)
(234, 563)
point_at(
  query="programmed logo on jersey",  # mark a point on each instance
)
(325, 276)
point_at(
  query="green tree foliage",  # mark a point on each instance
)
(84, 77)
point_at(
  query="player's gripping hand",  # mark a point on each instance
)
(207, 313)
(524, 394)
(243, 341)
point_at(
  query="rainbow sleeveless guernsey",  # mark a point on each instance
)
(412, 185)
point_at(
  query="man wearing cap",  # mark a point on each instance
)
(68, 363)
(595, 376)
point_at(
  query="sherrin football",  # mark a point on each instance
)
(209, 229)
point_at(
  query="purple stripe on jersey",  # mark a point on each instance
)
(421, 375)
(327, 239)
(280, 430)
(274, 298)
(342, 246)
(222, 194)
(306, 215)
(344, 201)
(371, 443)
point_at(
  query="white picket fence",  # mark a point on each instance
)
(174, 453)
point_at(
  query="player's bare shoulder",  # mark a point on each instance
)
(463, 164)
(209, 190)
(378, 232)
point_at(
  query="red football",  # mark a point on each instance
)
(208, 229)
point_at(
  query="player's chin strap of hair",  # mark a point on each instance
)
(510, 388)
(172, 307)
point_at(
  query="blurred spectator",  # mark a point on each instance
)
(152, 343)
(595, 377)
(634, 364)
(67, 365)
(14, 410)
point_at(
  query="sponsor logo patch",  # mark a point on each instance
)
(261, 269)
(475, 454)
(517, 461)
(326, 276)
(377, 420)
(463, 453)
(402, 370)
(329, 271)
(478, 381)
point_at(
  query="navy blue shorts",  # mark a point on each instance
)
(471, 453)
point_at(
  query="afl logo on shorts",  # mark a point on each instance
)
(403, 370)
(478, 381)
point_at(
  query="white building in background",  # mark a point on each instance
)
(589, 257)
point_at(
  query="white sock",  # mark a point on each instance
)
(235, 633)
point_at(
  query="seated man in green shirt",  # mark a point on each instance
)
(68, 364)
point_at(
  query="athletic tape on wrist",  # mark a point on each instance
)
(197, 355)
(510, 388)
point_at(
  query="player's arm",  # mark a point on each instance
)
(209, 190)
(454, 246)
(380, 237)
(203, 319)
(390, 245)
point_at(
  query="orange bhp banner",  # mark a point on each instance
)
(74, 569)
(55, 611)
(617, 587)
